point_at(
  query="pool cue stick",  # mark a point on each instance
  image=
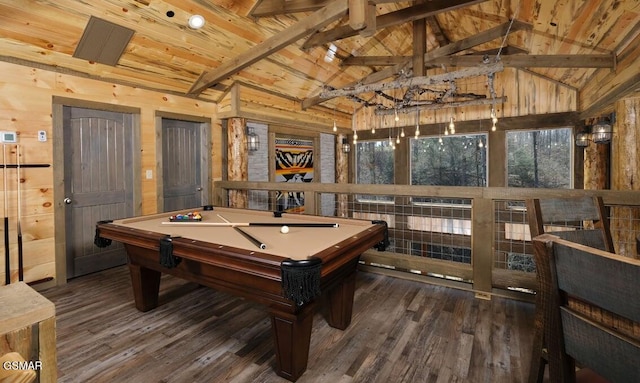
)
(20, 259)
(242, 224)
(251, 238)
(7, 255)
(248, 236)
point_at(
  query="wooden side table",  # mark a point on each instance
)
(27, 328)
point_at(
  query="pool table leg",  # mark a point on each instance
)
(340, 302)
(292, 336)
(146, 285)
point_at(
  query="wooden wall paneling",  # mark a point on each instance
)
(26, 105)
(237, 168)
(625, 148)
(596, 166)
(342, 174)
(606, 86)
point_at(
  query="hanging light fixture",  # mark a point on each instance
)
(417, 133)
(494, 118)
(452, 126)
(335, 127)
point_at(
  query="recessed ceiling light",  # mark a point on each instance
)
(196, 21)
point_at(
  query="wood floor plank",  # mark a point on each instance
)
(401, 331)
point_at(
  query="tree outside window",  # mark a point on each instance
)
(539, 158)
(374, 165)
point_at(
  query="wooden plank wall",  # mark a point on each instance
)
(26, 107)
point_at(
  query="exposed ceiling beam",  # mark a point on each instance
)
(438, 106)
(374, 60)
(452, 48)
(477, 39)
(416, 81)
(282, 7)
(319, 19)
(278, 7)
(513, 61)
(393, 60)
(533, 61)
(390, 19)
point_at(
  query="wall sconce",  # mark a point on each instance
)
(600, 133)
(582, 140)
(346, 148)
(253, 141)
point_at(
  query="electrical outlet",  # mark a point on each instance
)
(42, 135)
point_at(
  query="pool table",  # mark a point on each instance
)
(216, 252)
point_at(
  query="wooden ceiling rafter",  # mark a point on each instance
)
(390, 19)
(407, 65)
(317, 20)
(513, 61)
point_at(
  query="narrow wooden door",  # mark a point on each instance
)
(99, 184)
(181, 164)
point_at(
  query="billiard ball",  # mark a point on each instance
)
(284, 229)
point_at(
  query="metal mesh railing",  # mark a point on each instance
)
(427, 230)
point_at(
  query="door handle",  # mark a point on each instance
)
(198, 189)
(67, 201)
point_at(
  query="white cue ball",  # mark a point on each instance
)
(284, 229)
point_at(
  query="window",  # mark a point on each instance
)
(374, 165)
(459, 160)
(449, 160)
(539, 158)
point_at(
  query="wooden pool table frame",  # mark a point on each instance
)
(252, 275)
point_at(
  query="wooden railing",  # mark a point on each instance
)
(488, 224)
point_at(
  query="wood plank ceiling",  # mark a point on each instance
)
(302, 48)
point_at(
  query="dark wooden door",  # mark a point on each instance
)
(98, 152)
(181, 164)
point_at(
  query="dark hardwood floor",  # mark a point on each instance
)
(402, 331)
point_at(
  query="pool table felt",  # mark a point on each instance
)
(299, 243)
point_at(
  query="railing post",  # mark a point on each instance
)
(482, 235)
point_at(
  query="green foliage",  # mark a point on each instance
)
(449, 161)
(539, 158)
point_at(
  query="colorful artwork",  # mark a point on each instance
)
(294, 163)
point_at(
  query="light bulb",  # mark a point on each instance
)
(373, 130)
(335, 127)
(493, 127)
(196, 22)
(402, 133)
(396, 116)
